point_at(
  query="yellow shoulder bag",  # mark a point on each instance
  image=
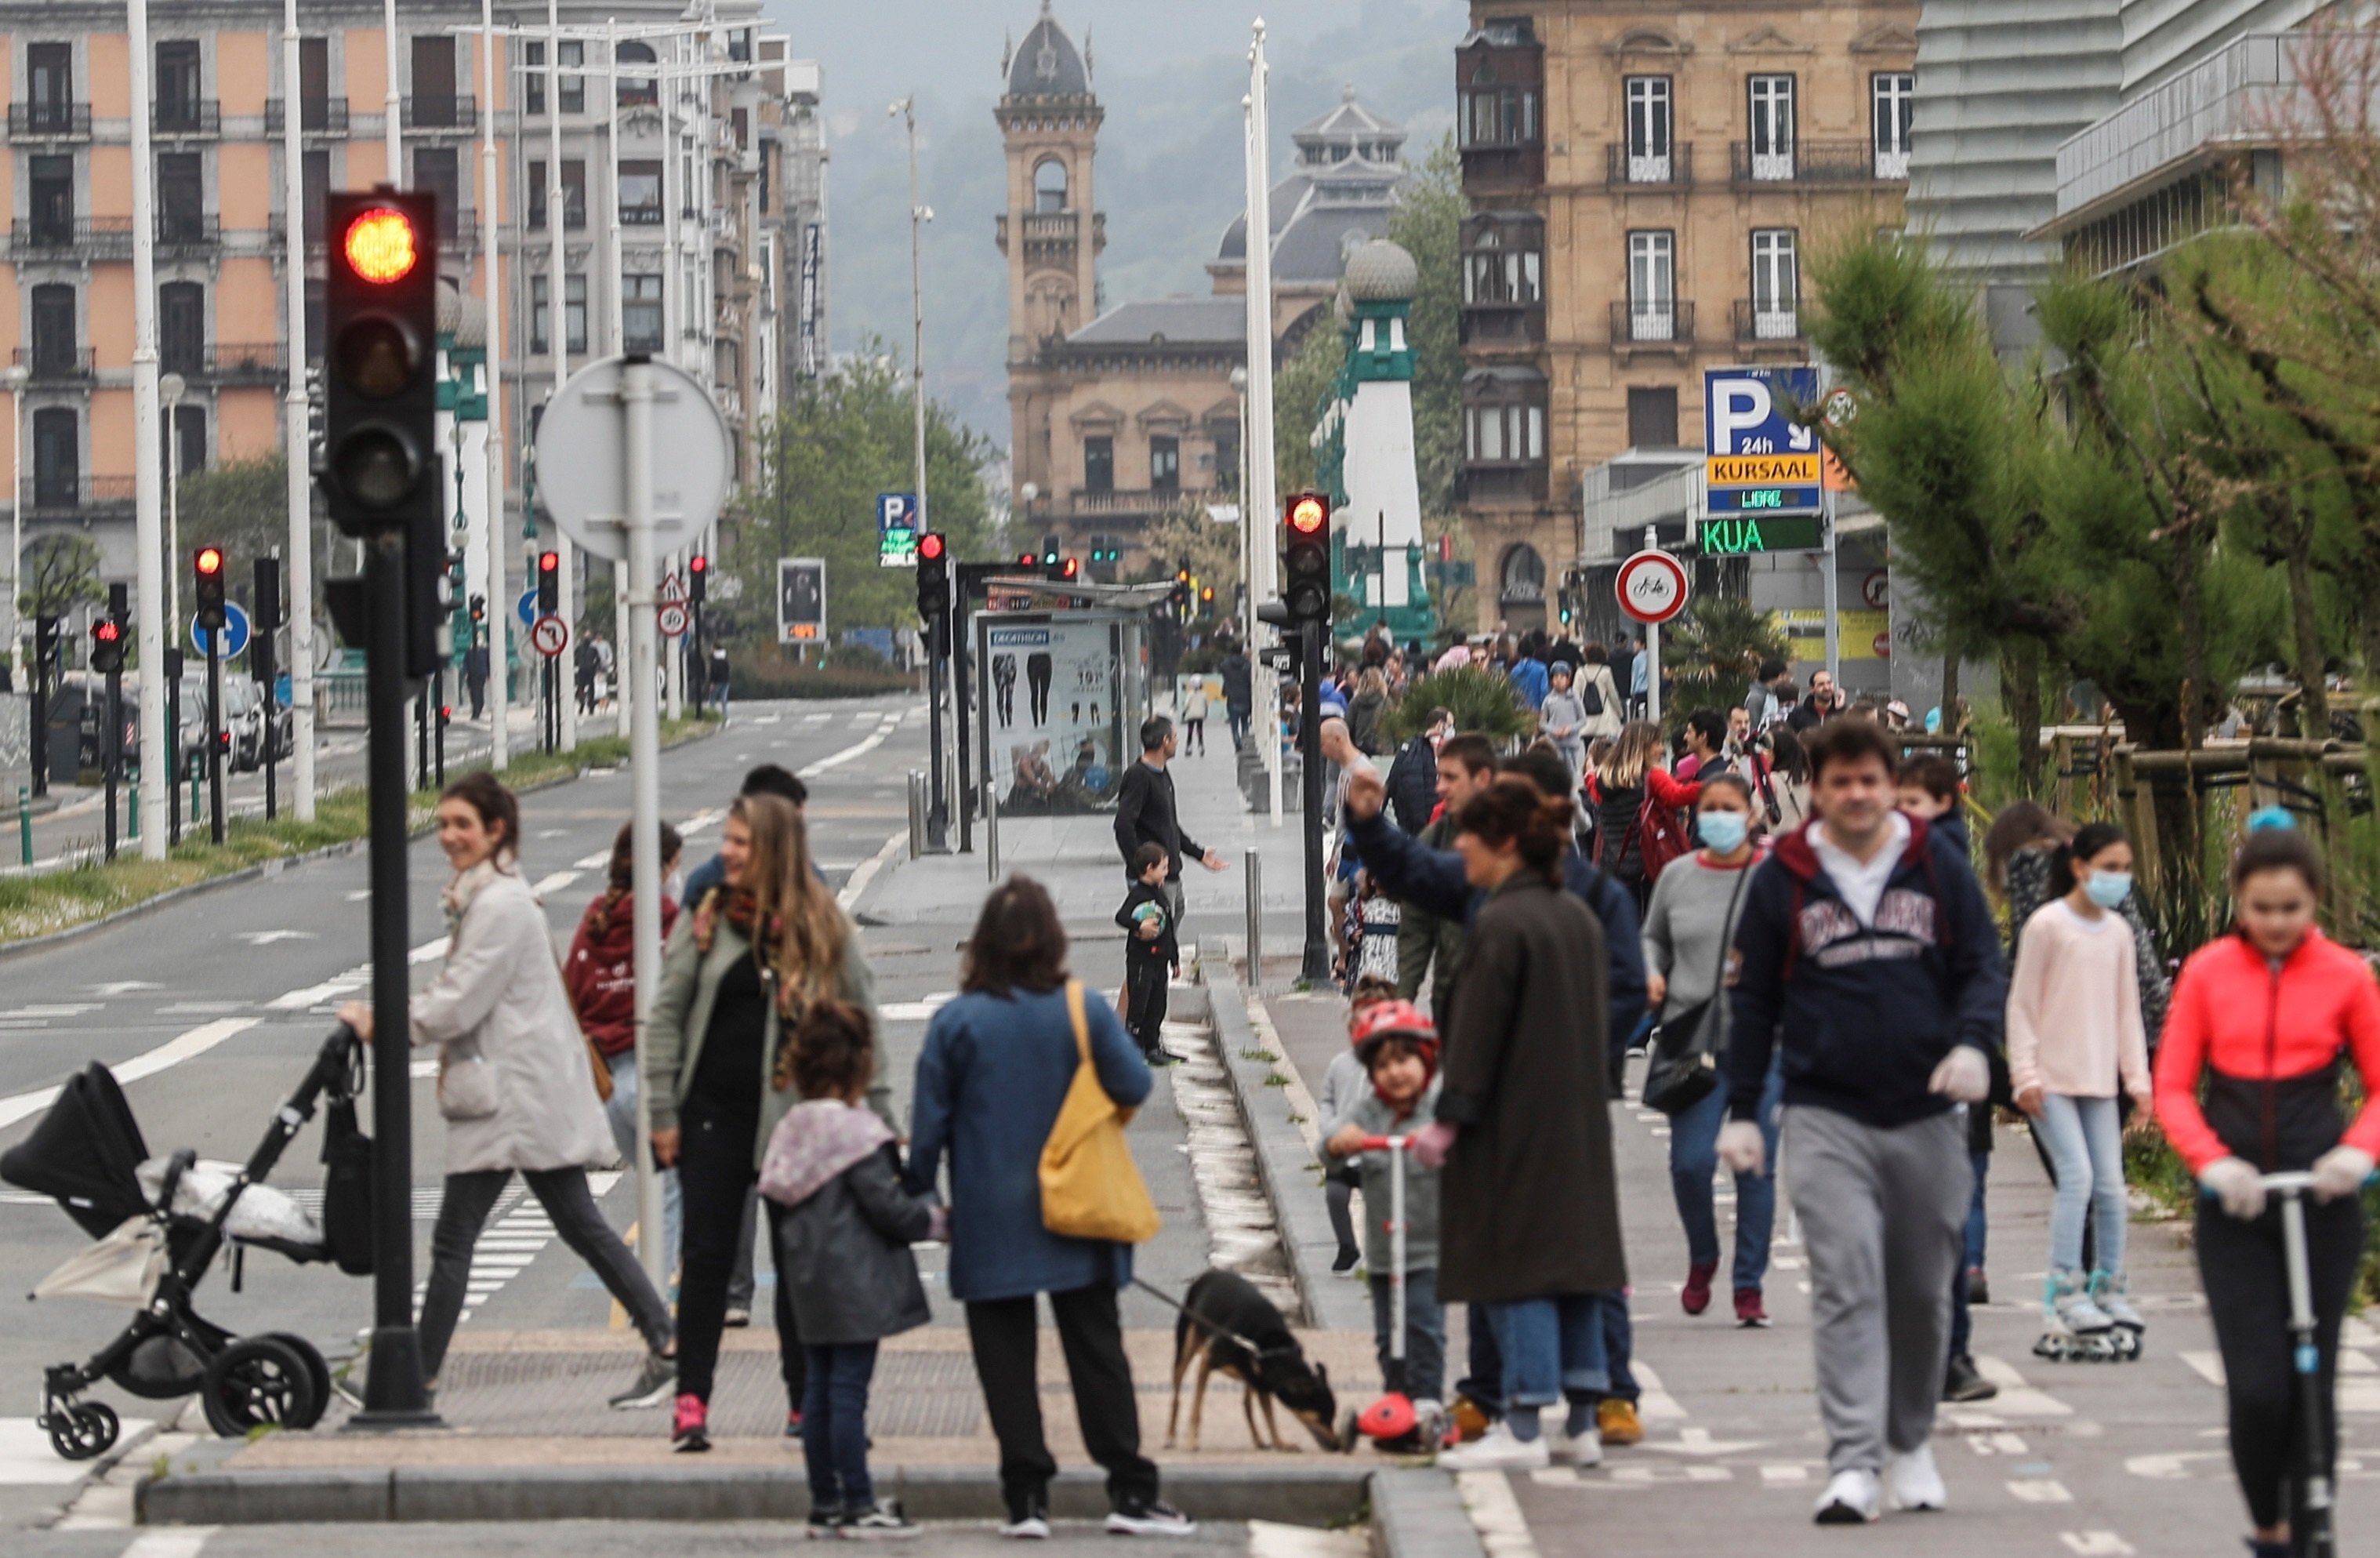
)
(1090, 1187)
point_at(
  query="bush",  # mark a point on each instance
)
(856, 656)
(1480, 701)
(765, 673)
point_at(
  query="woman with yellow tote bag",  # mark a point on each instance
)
(1026, 1083)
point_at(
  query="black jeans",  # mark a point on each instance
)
(1003, 1332)
(715, 1178)
(1144, 989)
(563, 1192)
(2248, 1298)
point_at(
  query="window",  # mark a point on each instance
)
(313, 83)
(315, 175)
(436, 169)
(1503, 265)
(54, 350)
(574, 88)
(641, 193)
(51, 198)
(1648, 130)
(435, 103)
(574, 312)
(1652, 418)
(641, 313)
(1776, 283)
(57, 456)
(1506, 434)
(186, 452)
(1497, 115)
(1894, 95)
(573, 193)
(1523, 576)
(182, 328)
(176, 86)
(1049, 186)
(640, 86)
(1098, 465)
(1165, 464)
(49, 81)
(533, 78)
(1772, 127)
(1652, 286)
(181, 198)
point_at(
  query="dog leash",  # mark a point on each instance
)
(1251, 1348)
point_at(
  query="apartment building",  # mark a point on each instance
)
(695, 188)
(1645, 182)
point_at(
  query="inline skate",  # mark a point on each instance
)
(2077, 1329)
(2111, 1293)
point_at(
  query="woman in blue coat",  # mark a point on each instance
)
(995, 1070)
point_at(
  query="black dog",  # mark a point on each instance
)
(1227, 1325)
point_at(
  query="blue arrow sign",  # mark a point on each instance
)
(235, 631)
(526, 607)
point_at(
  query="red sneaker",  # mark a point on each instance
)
(1696, 1295)
(1748, 1309)
(690, 1426)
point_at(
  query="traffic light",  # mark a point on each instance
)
(108, 646)
(1071, 569)
(478, 608)
(698, 579)
(1305, 571)
(933, 575)
(1028, 561)
(381, 303)
(548, 581)
(1049, 553)
(207, 563)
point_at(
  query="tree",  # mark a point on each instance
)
(61, 572)
(240, 506)
(1709, 654)
(1428, 223)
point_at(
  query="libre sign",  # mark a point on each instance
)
(1760, 461)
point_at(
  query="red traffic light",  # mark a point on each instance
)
(1028, 559)
(549, 562)
(697, 562)
(381, 246)
(1308, 514)
(1074, 567)
(210, 560)
(929, 547)
(106, 630)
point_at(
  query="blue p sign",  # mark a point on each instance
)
(896, 511)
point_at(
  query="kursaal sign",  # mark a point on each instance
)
(1759, 460)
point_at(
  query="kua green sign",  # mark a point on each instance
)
(1732, 537)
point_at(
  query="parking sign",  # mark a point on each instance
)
(896, 529)
(1759, 460)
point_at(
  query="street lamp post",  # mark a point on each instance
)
(171, 387)
(938, 817)
(13, 379)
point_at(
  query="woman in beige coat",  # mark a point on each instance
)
(514, 1081)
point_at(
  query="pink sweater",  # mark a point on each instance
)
(2075, 1007)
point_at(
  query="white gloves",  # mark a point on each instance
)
(2235, 1183)
(1963, 1077)
(1740, 1147)
(2341, 1171)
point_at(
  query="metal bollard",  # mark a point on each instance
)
(1254, 862)
(916, 814)
(132, 831)
(992, 831)
(25, 823)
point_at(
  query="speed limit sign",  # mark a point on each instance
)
(548, 635)
(1652, 586)
(672, 618)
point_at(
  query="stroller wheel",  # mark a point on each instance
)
(317, 1372)
(258, 1381)
(83, 1430)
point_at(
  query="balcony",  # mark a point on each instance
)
(89, 238)
(1504, 165)
(441, 112)
(1652, 324)
(1503, 480)
(1503, 324)
(316, 115)
(55, 365)
(64, 495)
(637, 216)
(37, 120)
(1673, 169)
(188, 234)
(1816, 162)
(228, 362)
(1766, 320)
(189, 115)
(1115, 500)
(573, 212)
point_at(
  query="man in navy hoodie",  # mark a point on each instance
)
(1866, 953)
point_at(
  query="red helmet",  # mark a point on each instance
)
(1398, 1018)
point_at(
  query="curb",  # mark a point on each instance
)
(266, 868)
(1319, 1495)
(1419, 1513)
(1285, 1165)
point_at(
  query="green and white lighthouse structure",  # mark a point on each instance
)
(1364, 451)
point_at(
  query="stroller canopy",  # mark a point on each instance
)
(84, 1153)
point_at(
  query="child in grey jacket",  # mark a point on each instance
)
(844, 1244)
(1343, 1083)
(1398, 1048)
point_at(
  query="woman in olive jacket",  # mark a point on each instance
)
(735, 977)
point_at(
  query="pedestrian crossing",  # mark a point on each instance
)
(517, 1233)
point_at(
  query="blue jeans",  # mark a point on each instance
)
(1425, 1365)
(620, 1112)
(1619, 1344)
(834, 1425)
(2086, 1146)
(1550, 1346)
(1483, 1383)
(1975, 1225)
(1693, 1158)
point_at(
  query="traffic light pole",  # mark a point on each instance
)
(111, 752)
(1316, 969)
(959, 703)
(214, 734)
(643, 649)
(46, 648)
(937, 813)
(173, 748)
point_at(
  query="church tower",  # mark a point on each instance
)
(1051, 232)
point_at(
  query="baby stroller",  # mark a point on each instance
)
(152, 1250)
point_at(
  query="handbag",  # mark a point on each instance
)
(1685, 1067)
(466, 1083)
(346, 1190)
(1090, 1187)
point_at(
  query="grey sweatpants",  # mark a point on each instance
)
(1882, 1211)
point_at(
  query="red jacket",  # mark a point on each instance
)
(602, 970)
(2267, 1044)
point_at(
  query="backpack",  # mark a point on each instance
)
(1588, 698)
(1659, 839)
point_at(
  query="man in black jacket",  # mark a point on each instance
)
(1239, 694)
(1146, 813)
(1413, 778)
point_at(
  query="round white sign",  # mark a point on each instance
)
(582, 459)
(1652, 586)
(548, 636)
(673, 619)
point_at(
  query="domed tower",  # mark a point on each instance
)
(1368, 438)
(1051, 234)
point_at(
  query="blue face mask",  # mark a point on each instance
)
(2108, 889)
(1723, 831)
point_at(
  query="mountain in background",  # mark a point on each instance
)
(1170, 78)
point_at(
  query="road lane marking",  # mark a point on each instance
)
(2096, 1544)
(547, 886)
(172, 1053)
(1654, 1404)
(869, 868)
(2039, 1489)
(352, 980)
(185, 1542)
(1494, 1514)
(266, 938)
(886, 725)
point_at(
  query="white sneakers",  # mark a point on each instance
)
(1916, 1481)
(1497, 1450)
(1586, 1450)
(1853, 1498)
